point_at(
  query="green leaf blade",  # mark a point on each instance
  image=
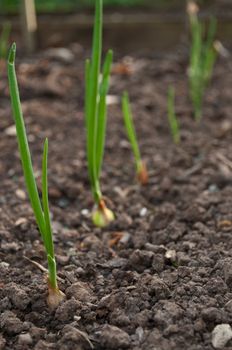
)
(48, 231)
(94, 86)
(172, 119)
(23, 143)
(89, 131)
(102, 113)
(128, 121)
(42, 217)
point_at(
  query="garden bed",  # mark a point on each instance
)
(161, 275)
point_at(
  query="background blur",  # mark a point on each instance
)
(9, 6)
(130, 26)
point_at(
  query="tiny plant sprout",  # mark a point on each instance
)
(40, 208)
(141, 169)
(96, 88)
(172, 119)
(202, 58)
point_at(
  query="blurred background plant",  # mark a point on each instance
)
(172, 118)
(141, 170)
(70, 5)
(12, 6)
(202, 57)
(140, 18)
(4, 40)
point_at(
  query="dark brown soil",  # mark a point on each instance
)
(160, 276)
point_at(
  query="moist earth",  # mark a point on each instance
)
(159, 277)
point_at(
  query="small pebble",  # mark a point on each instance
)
(61, 54)
(112, 100)
(4, 265)
(11, 130)
(20, 194)
(140, 333)
(25, 339)
(213, 188)
(143, 212)
(170, 255)
(20, 221)
(221, 334)
(31, 138)
(85, 212)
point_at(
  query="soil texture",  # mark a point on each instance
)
(160, 277)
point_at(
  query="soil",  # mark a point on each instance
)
(160, 277)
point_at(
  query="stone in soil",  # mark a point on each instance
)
(221, 334)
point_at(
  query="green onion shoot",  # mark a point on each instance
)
(141, 170)
(96, 89)
(202, 58)
(40, 208)
(172, 119)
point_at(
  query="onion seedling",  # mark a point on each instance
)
(172, 119)
(141, 169)
(4, 38)
(40, 208)
(96, 88)
(202, 58)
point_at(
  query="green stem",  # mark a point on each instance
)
(96, 190)
(48, 233)
(23, 144)
(94, 83)
(52, 272)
